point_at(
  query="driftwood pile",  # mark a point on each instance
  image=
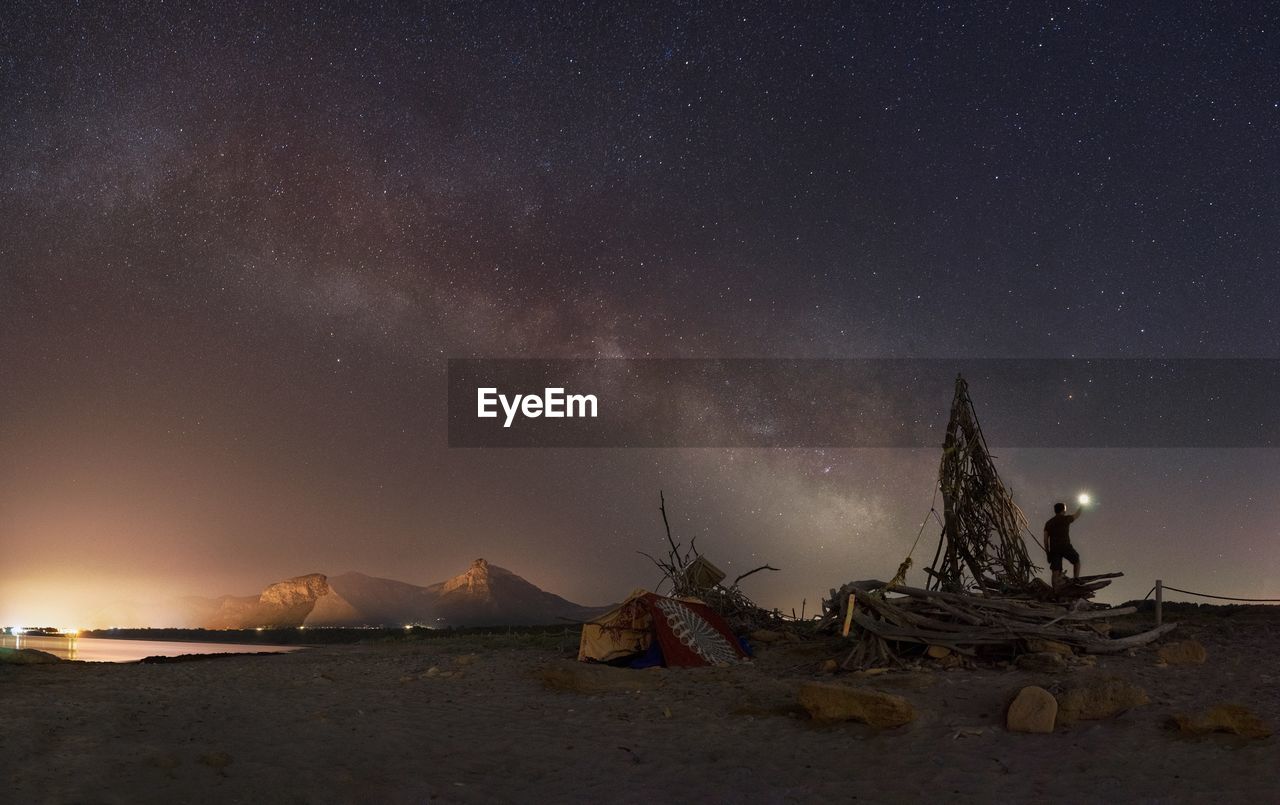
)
(984, 597)
(687, 573)
(891, 625)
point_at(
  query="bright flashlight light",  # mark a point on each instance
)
(1084, 499)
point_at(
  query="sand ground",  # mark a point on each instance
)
(470, 720)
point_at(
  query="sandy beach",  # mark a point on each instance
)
(475, 719)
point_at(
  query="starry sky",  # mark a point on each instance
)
(239, 243)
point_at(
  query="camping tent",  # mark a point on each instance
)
(685, 631)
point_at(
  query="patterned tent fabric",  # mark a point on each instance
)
(688, 632)
(691, 634)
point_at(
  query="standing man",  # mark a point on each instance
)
(1057, 542)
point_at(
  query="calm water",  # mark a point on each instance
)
(96, 649)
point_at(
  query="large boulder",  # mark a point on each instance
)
(1098, 698)
(1231, 718)
(1032, 710)
(1186, 652)
(830, 703)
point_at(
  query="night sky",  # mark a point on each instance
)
(237, 246)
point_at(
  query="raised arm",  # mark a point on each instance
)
(1079, 511)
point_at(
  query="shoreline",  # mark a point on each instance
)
(475, 719)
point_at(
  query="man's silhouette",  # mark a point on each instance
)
(1057, 542)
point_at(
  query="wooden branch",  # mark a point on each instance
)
(1093, 614)
(662, 507)
(911, 635)
(651, 559)
(1087, 579)
(749, 572)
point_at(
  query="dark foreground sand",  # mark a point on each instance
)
(470, 720)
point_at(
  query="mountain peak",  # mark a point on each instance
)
(297, 590)
(475, 581)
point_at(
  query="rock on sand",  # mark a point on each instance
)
(583, 678)
(830, 703)
(1099, 698)
(1186, 652)
(1038, 645)
(1048, 662)
(1033, 710)
(1230, 718)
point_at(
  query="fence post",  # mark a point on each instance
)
(1159, 602)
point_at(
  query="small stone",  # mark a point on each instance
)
(1047, 662)
(764, 636)
(828, 667)
(951, 661)
(583, 678)
(1099, 698)
(167, 760)
(1186, 652)
(216, 760)
(1230, 718)
(1032, 710)
(1039, 645)
(829, 703)
(938, 652)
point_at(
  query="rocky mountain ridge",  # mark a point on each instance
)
(483, 595)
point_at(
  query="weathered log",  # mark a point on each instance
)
(1098, 576)
(1112, 645)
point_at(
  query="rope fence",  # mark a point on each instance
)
(1161, 587)
(1219, 597)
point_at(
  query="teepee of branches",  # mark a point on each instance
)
(983, 545)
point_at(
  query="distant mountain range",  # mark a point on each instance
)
(485, 595)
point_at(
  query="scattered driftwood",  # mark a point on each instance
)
(890, 624)
(690, 574)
